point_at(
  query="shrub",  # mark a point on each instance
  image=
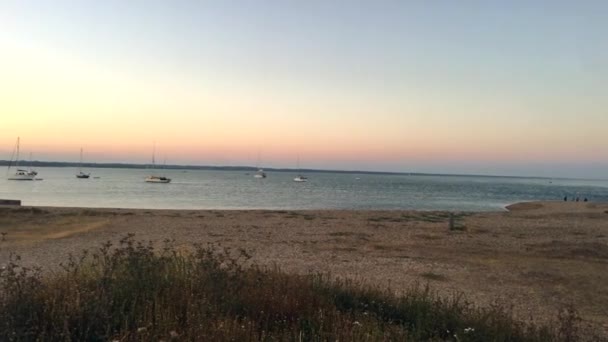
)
(133, 292)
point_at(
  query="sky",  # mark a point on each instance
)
(477, 87)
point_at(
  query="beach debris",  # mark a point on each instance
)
(453, 224)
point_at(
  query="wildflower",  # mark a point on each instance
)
(468, 330)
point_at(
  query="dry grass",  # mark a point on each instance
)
(538, 258)
(133, 293)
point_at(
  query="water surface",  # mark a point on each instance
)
(203, 189)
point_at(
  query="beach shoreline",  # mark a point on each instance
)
(535, 256)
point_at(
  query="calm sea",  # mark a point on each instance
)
(197, 189)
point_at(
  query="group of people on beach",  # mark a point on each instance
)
(575, 199)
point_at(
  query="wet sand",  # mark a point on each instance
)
(536, 257)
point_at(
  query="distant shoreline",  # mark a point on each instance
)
(245, 168)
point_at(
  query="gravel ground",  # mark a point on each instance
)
(536, 257)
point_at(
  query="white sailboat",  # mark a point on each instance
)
(154, 178)
(299, 178)
(20, 174)
(260, 173)
(80, 174)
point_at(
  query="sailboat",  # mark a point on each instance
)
(19, 174)
(81, 174)
(260, 173)
(153, 178)
(299, 178)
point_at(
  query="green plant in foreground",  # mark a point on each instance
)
(134, 292)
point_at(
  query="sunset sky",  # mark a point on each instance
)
(484, 87)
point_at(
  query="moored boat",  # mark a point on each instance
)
(299, 178)
(158, 179)
(80, 174)
(260, 174)
(19, 174)
(154, 178)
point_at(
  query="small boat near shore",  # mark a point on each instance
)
(260, 174)
(154, 178)
(157, 179)
(20, 174)
(80, 174)
(299, 178)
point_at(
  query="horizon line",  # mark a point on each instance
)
(253, 168)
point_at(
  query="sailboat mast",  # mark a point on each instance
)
(257, 163)
(153, 154)
(17, 158)
(13, 158)
(80, 164)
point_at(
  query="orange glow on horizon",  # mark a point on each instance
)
(58, 101)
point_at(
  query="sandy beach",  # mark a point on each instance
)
(536, 257)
